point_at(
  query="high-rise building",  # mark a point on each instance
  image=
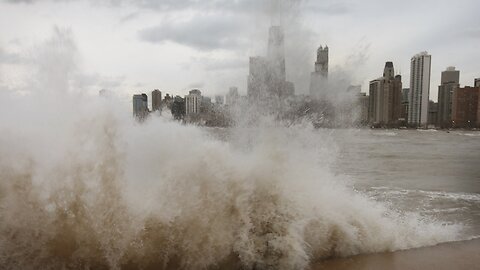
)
(449, 82)
(178, 108)
(386, 98)
(363, 101)
(404, 109)
(140, 106)
(374, 104)
(420, 69)
(193, 102)
(276, 52)
(156, 100)
(432, 113)
(232, 96)
(319, 78)
(477, 82)
(258, 78)
(465, 107)
(267, 75)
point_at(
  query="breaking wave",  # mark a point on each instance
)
(92, 189)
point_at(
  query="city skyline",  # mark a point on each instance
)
(214, 60)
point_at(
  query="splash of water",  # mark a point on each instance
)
(93, 189)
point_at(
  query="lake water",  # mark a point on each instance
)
(435, 173)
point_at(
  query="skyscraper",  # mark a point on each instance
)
(267, 75)
(156, 100)
(193, 102)
(449, 82)
(318, 80)
(477, 82)
(140, 106)
(420, 68)
(276, 52)
(386, 98)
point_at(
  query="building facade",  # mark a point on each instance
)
(267, 75)
(319, 78)
(432, 113)
(465, 109)
(193, 103)
(386, 98)
(449, 82)
(404, 108)
(140, 106)
(420, 69)
(156, 100)
(363, 101)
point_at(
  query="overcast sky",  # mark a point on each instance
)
(132, 46)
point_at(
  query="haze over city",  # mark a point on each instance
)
(134, 46)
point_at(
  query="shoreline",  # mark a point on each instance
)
(451, 255)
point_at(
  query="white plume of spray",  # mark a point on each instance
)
(82, 185)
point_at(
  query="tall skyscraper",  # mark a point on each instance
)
(140, 106)
(420, 69)
(318, 80)
(193, 102)
(321, 65)
(267, 75)
(276, 52)
(477, 82)
(449, 82)
(156, 100)
(386, 98)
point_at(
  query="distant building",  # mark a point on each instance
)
(276, 53)
(232, 96)
(178, 108)
(140, 106)
(156, 100)
(386, 98)
(477, 82)
(267, 75)
(167, 102)
(258, 78)
(193, 102)
(404, 109)
(363, 101)
(432, 113)
(449, 82)
(420, 68)
(219, 100)
(206, 105)
(465, 107)
(319, 78)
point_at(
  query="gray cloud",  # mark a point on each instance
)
(203, 33)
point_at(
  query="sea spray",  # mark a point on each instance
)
(82, 185)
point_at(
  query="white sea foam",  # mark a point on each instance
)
(90, 188)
